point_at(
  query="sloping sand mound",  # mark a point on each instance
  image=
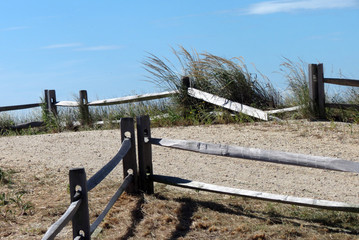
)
(55, 154)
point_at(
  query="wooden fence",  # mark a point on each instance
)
(317, 91)
(139, 176)
(51, 104)
(78, 210)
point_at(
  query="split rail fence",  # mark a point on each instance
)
(51, 104)
(78, 210)
(317, 91)
(139, 176)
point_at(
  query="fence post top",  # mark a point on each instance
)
(77, 169)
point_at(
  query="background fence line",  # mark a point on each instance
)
(316, 93)
(317, 90)
(50, 105)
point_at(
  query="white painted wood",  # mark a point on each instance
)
(135, 98)
(338, 206)
(225, 103)
(257, 154)
(67, 104)
(291, 109)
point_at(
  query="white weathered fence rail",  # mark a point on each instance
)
(243, 153)
(51, 104)
(225, 103)
(308, 202)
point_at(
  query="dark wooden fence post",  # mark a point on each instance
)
(50, 101)
(313, 87)
(316, 90)
(81, 219)
(185, 98)
(144, 154)
(84, 108)
(129, 161)
(321, 93)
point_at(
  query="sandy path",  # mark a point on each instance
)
(57, 153)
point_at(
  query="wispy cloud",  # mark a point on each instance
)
(63, 45)
(269, 7)
(13, 28)
(100, 48)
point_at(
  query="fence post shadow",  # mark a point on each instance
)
(136, 217)
(185, 214)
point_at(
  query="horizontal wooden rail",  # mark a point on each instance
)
(342, 82)
(338, 206)
(19, 107)
(290, 109)
(67, 104)
(105, 170)
(24, 125)
(126, 182)
(260, 155)
(228, 104)
(62, 221)
(135, 98)
(120, 100)
(342, 106)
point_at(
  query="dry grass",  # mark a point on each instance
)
(171, 213)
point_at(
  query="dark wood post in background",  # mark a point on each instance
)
(316, 90)
(184, 97)
(50, 101)
(144, 154)
(81, 219)
(84, 108)
(129, 160)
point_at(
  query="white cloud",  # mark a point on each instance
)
(64, 45)
(269, 7)
(100, 48)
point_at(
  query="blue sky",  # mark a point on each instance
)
(99, 45)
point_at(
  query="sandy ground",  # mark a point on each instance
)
(57, 153)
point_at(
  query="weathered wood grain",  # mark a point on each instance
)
(343, 82)
(105, 170)
(144, 154)
(81, 218)
(290, 109)
(126, 182)
(260, 155)
(129, 160)
(67, 104)
(19, 107)
(338, 206)
(135, 98)
(225, 103)
(62, 221)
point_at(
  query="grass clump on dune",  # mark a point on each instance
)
(227, 78)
